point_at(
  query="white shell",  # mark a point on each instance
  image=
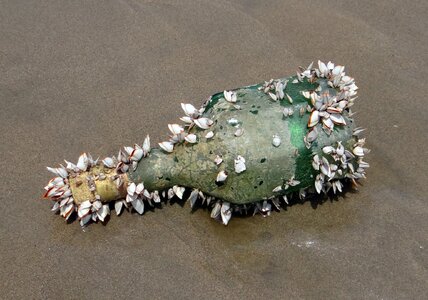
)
(155, 196)
(316, 162)
(277, 189)
(318, 184)
(66, 193)
(358, 151)
(337, 119)
(293, 182)
(306, 94)
(266, 208)
(239, 132)
(328, 123)
(325, 169)
(328, 149)
(84, 208)
(233, 122)
(187, 119)
(193, 197)
(108, 162)
(91, 161)
(240, 164)
(122, 167)
(96, 205)
(189, 110)
(170, 193)
(221, 176)
(177, 138)
(55, 207)
(82, 163)
(209, 134)
(216, 210)
(203, 123)
(363, 164)
(324, 114)
(334, 110)
(277, 203)
(279, 89)
(338, 70)
(312, 135)
(218, 160)
(85, 220)
(323, 69)
(273, 96)
(53, 192)
(138, 205)
(103, 212)
(178, 191)
(339, 185)
(121, 157)
(330, 65)
(230, 96)
(70, 166)
(139, 188)
(63, 202)
(285, 112)
(313, 118)
(284, 197)
(175, 128)
(226, 213)
(146, 145)
(118, 205)
(167, 146)
(276, 141)
(340, 149)
(147, 194)
(288, 111)
(62, 172)
(191, 138)
(137, 154)
(358, 130)
(131, 189)
(128, 150)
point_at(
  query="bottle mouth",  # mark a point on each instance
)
(87, 187)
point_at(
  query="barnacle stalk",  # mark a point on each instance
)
(249, 148)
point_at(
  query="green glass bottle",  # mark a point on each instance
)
(248, 148)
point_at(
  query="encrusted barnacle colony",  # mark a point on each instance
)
(244, 150)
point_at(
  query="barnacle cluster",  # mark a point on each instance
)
(58, 188)
(336, 163)
(89, 178)
(327, 107)
(179, 134)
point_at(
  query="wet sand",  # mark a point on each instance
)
(92, 76)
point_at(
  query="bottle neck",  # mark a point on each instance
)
(98, 183)
(156, 171)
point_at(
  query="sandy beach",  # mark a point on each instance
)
(95, 75)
